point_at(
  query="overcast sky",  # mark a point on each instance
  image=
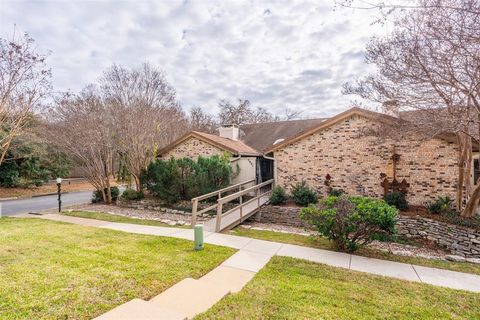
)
(277, 54)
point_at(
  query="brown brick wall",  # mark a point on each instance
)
(193, 148)
(356, 160)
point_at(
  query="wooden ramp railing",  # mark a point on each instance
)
(218, 194)
(260, 194)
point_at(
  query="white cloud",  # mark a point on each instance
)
(274, 53)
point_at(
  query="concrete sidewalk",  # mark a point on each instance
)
(254, 252)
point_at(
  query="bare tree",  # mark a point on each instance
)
(24, 83)
(291, 114)
(83, 126)
(431, 63)
(146, 113)
(201, 121)
(242, 113)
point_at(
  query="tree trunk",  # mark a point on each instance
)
(462, 157)
(473, 201)
(104, 196)
(109, 190)
(138, 184)
(472, 204)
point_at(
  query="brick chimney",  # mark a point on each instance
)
(229, 131)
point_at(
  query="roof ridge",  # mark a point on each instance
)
(281, 121)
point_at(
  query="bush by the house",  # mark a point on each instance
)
(182, 179)
(336, 192)
(131, 194)
(213, 173)
(278, 196)
(397, 199)
(351, 222)
(440, 206)
(303, 195)
(97, 194)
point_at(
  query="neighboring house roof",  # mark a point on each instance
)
(340, 117)
(260, 136)
(233, 146)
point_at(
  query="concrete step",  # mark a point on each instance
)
(232, 279)
(141, 310)
(191, 296)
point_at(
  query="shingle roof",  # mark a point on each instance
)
(234, 146)
(263, 135)
(256, 139)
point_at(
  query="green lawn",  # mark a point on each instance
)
(289, 288)
(53, 270)
(117, 218)
(322, 243)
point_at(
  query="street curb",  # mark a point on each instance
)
(33, 196)
(46, 194)
(9, 198)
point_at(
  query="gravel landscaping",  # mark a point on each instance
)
(172, 217)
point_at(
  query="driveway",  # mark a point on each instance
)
(12, 207)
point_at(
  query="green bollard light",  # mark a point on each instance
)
(198, 236)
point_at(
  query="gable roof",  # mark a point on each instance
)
(260, 136)
(233, 146)
(375, 116)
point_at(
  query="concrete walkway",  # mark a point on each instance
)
(197, 296)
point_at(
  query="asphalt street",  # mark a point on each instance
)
(12, 207)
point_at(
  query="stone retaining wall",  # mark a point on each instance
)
(460, 241)
(287, 216)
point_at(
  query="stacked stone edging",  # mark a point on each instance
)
(148, 204)
(459, 240)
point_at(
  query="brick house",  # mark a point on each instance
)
(340, 147)
(195, 144)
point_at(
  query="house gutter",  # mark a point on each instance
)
(235, 159)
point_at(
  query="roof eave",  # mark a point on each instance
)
(206, 140)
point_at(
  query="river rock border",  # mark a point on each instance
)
(460, 241)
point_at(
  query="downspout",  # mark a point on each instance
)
(235, 159)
